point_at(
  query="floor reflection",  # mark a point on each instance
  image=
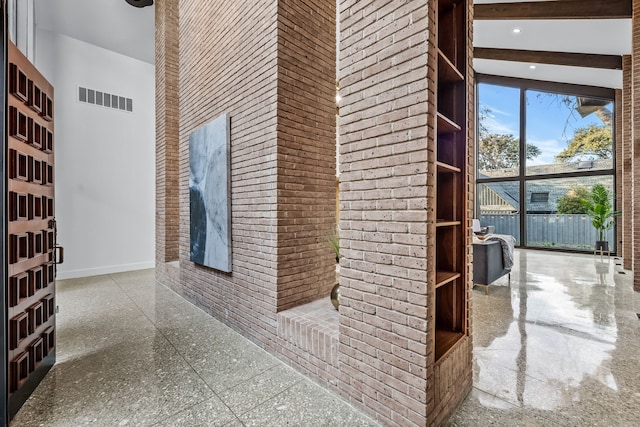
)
(559, 346)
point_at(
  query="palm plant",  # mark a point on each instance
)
(600, 209)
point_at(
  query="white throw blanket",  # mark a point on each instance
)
(508, 242)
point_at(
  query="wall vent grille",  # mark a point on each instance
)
(104, 99)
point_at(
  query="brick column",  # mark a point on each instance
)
(306, 150)
(386, 140)
(167, 119)
(625, 224)
(635, 147)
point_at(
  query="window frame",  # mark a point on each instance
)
(552, 87)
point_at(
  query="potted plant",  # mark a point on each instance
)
(334, 242)
(600, 209)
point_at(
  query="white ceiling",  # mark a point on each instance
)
(110, 24)
(117, 26)
(600, 36)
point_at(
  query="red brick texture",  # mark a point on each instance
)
(635, 147)
(384, 153)
(228, 63)
(270, 64)
(387, 221)
(167, 204)
(306, 163)
(308, 336)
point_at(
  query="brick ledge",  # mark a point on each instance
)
(312, 328)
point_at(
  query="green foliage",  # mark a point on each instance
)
(334, 243)
(502, 151)
(592, 142)
(499, 151)
(600, 209)
(571, 203)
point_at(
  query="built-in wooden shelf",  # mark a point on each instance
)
(444, 277)
(446, 125)
(447, 72)
(445, 340)
(451, 163)
(443, 223)
(445, 167)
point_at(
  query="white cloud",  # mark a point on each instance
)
(494, 125)
(549, 148)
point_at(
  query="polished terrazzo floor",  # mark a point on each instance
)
(559, 347)
(132, 353)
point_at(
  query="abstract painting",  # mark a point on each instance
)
(209, 194)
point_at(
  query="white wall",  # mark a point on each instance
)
(21, 25)
(104, 158)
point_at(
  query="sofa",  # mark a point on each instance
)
(488, 264)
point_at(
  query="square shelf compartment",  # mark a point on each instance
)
(18, 124)
(18, 83)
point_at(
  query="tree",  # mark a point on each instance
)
(595, 142)
(498, 151)
(572, 202)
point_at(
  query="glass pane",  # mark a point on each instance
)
(556, 217)
(567, 133)
(499, 206)
(498, 131)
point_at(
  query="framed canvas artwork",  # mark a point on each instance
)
(210, 194)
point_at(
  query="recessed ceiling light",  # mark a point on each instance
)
(532, 67)
(516, 30)
(338, 98)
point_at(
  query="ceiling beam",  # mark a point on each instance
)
(568, 9)
(589, 60)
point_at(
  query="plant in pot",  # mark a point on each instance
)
(334, 242)
(600, 209)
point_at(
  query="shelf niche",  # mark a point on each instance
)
(451, 191)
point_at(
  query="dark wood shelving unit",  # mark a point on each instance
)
(447, 340)
(443, 167)
(447, 223)
(451, 193)
(445, 124)
(447, 72)
(444, 277)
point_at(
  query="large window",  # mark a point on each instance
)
(499, 130)
(541, 149)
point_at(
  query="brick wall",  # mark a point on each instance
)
(627, 138)
(228, 63)
(635, 147)
(306, 150)
(167, 217)
(384, 148)
(270, 65)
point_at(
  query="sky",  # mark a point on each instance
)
(550, 124)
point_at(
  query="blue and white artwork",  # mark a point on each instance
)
(210, 194)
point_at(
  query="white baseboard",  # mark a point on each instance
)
(74, 274)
